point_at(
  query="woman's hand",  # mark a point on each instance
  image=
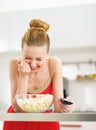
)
(67, 108)
(23, 67)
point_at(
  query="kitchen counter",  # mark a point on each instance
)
(48, 116)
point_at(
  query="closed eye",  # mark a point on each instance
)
(39, 59)
(27, 58)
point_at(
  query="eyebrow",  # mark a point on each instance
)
(31, 57)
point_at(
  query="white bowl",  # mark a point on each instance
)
(34, 102)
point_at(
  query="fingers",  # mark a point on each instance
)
(69, 98)
(67, 108)
(23, 66)
(18, 61)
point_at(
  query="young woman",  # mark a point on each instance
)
(36, 73)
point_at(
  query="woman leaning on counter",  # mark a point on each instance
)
(36, 73)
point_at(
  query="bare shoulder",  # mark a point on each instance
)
(55, 60)
(55, 65)
(13, 64)
(14, 60)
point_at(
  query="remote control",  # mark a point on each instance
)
(66, 101)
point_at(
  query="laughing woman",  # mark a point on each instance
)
(36, 73)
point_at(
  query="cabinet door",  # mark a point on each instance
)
(77, 125)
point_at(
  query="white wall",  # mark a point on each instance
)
(4, 82)
(70, 26)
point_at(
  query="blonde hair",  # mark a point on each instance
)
(37, 35)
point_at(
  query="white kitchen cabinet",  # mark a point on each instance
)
(77, 125)
(83, 93)
(1, 125)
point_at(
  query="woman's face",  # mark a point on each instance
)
(35, 56)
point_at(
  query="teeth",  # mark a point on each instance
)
(34, 68)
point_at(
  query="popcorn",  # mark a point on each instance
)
(34, 102)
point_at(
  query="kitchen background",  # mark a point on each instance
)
(73, 39)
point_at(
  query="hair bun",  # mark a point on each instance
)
(39, 25)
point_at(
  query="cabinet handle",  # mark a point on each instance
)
(70, 125)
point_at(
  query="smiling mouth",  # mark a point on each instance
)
(34, 68)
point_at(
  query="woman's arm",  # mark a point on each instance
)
(57, 79)
(18, 81)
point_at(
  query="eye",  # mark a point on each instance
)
(39, 59)
(27, 59)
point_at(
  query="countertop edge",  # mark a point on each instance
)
(47, 116)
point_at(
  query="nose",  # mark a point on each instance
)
(33, 64)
